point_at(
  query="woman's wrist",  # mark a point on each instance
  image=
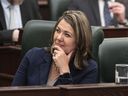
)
(64, 70)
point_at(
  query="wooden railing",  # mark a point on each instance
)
(100, 89)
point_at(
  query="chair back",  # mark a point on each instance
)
(37, 33)
(97, 39)
(112, 51)
(57, 7)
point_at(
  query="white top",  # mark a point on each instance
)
(17, 14)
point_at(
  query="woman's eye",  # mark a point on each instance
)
(67, 35)
(57, 30)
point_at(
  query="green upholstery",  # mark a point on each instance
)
(37, 33)
(57, 7)
(97, 38)
(112, 51)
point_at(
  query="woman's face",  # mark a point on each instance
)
(64, 37)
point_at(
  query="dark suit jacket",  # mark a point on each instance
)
(35, 67)
(29, 10)
(91, 9)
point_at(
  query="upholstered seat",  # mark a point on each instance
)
(97, 39)
(57, 7)
(112, 51)
(37, 33)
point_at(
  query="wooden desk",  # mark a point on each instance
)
(29, 91)
(115, 32)
(101, 89)
(9, 62)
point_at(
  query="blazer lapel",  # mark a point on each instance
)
(24, 13)
(2, 18)
(45, 68)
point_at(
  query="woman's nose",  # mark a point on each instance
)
(60, 36)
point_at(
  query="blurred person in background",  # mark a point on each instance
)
(97, 15)
(14, 14)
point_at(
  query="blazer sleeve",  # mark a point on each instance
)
(90, 74)
(87, 75)
(64, 79)
(20, 78)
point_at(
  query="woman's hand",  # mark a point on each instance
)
(61, 59)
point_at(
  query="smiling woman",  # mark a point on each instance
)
(67, 61)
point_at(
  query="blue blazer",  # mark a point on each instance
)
(35, 67)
